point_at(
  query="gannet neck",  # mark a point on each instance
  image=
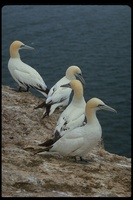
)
(91, 115)
(71, 71)
(14, 49)
(76, 85)
(91, 108)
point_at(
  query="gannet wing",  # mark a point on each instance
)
(59, 95)
(68, 145)
(71, 124)
(28, 80)
(55, 91)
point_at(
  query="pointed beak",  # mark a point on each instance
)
(80, 77)
(66, 85)
(108, 108)
(27, 47)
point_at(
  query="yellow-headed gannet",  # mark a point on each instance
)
(59, 96)
(74, 114)
(26, 76)
(81, 140)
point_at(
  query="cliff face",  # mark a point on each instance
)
(44, 175)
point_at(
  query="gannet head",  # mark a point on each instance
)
(98, 104)
(74, 72)
(73, 84)
(16, 46)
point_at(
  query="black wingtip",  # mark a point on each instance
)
(47, 143)
(57, 136)
(48, 107)
(47, 90)
(43, 104)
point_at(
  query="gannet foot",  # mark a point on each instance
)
(84, 160)
(81, 161)
(16, 90)
(19, 89)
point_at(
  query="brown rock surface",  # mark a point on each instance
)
(44, 175)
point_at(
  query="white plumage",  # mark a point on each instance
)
(59, 96)
(74, 114)
(26, 76)
(81, 140)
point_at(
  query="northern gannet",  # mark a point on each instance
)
(81, 140)
(74, 114)
(26, 76)
(59, 96)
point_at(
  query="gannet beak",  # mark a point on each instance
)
(66, 85)
(80, 77)
(108, 108)
(26, 47)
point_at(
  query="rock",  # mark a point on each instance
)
(51, 175)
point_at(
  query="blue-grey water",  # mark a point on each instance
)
(97, 38)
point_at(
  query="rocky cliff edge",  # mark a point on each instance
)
(44, 175)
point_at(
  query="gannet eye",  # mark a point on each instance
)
(22, 46)
(100, 106)
(79, 74)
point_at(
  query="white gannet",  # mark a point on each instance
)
(26, 76)
(74, 114)
(59, 96)
(81, 140)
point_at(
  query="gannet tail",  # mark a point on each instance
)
(43, 104)
(47, 110)
(42, 150)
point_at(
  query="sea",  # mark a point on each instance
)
(97, 38)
